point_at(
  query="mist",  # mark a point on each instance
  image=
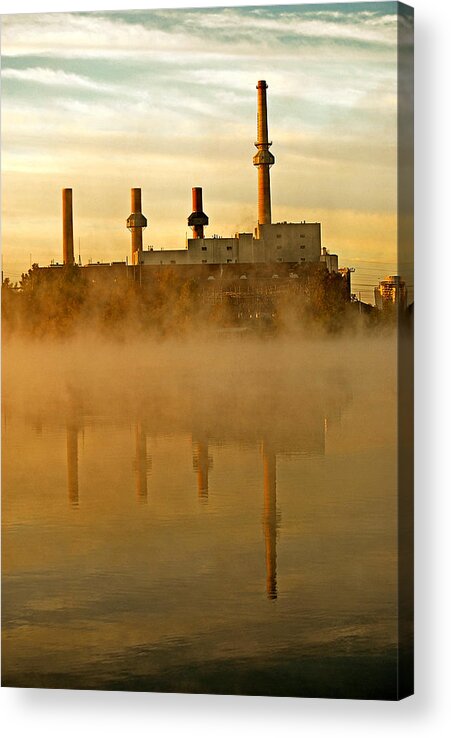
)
(227, 382)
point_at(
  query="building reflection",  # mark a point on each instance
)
(269, 423)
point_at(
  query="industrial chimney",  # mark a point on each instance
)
(263, 159)
(68, 228)
(197, 220)
(135, 223)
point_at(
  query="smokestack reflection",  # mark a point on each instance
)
(270, 518)
(141, 463)
(201, 465)
(72, 463)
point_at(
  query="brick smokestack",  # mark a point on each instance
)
(197, 220)
(136, 222)
(68, 228)
(263, 159)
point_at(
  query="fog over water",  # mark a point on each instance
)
(216, 513)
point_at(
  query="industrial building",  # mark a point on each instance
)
(250, 273)
(277, 243)
(274, 243)
(391, 293)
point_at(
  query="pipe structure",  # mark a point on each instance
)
(135, 223)
(270, 519)
(68, 228)
(263, 159)
(197, 220)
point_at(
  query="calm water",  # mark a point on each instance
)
(218, 521)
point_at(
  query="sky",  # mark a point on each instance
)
(165, 100)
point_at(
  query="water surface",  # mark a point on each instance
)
(203, 517)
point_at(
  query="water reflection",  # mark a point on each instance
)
(270, 518)
(72, 463)
(202, 462)
(268, 425)
(142, 462)
(263, 560)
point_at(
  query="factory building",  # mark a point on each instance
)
(271, 243)
(279, 250)
(330, 260)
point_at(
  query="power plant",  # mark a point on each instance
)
(278, 243)
(290, 246)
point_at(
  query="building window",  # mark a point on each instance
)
(279, 258)
(229, 248)
(302, 258)
(302, 245)
(229, 261)
(173, 261)
(204, 261)
(302, 235)
(279, 235)
(204, 248)
(279, 246)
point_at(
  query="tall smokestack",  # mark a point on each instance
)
(135, 223)
(197, 220)
(68, 228)
(263, 159)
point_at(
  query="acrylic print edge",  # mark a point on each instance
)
(405, 238)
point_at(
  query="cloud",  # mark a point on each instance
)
(55, 78)
(229, 31)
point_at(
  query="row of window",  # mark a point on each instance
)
(229, 261)
(204, 248)
(281, 260)
(302, 246)
(301, 235)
